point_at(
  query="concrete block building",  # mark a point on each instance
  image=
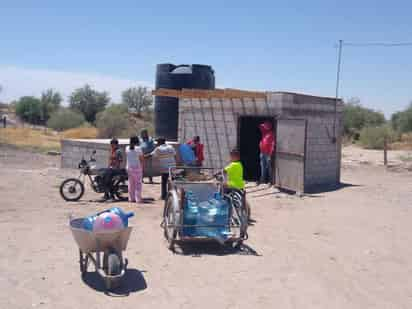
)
(308, 132)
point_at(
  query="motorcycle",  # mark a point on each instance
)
(72, 189)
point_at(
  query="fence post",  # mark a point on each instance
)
(385, 151)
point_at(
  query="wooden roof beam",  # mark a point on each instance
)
(209, 94)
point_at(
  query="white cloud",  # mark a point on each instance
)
(17, 82)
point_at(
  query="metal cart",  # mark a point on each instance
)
(204, 183)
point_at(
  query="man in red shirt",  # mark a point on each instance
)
(198, 150)
(266, 147)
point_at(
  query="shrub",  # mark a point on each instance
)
(65, 119)
(30, 109)
(113, 121)
(374, 137)
(402, 121)
(356, 117)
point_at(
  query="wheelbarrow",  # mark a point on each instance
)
(107, 248)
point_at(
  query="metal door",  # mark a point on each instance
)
(290, 154)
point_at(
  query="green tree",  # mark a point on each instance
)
(402, 121)
(30, 109)
(137, 99)
(356, 117)
(51, 102)
(64, 119)
(113, 121)
(89, 102)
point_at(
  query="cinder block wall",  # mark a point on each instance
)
(216, 122)
(323, 155)
(74, 150)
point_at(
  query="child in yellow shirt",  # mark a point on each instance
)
(234, 172)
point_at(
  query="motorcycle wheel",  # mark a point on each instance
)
(121, 190)
(71, 189)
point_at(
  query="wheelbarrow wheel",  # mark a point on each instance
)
(71, 190)
(83, 261)
(113, 264)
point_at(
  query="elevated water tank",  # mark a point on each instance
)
(170, 76)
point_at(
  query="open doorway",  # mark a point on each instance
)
(249, 137)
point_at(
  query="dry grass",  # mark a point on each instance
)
(39, 140)
(42, 140)
(84, 132)
(404, 144)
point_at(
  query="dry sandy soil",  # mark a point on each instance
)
(348, 248)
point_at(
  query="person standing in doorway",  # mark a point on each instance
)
(266, 147)
(147, 145)
(134, 166)
(166, 155)
(198, 150)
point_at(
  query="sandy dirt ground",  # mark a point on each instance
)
(348, 248)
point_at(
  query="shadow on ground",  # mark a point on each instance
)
(313, 192)
(206, 247)
(132, 282)
(331, 188)
(145, 200)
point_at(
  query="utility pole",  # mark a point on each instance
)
(337, 87)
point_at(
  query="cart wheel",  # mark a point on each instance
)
(169, 226)
(244, 223)
(113, 265)
(240, 214)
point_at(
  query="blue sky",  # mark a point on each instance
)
(260, 45)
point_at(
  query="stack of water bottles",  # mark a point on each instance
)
(207, 218)
(109, 220)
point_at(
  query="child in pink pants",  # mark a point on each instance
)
(134, 167)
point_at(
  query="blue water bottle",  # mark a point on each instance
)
(191, 213)
(88, 222)
(124, 215)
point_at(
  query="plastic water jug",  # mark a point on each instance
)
(124, 215)
(88, 222)
(191, 214)
(107, 222)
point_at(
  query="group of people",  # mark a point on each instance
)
(191, 154)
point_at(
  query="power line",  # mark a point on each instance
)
(362, 44)
(377, 44)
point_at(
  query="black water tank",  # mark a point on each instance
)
(169, 76)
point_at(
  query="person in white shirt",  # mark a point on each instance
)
(134, 166)
(166, 155)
